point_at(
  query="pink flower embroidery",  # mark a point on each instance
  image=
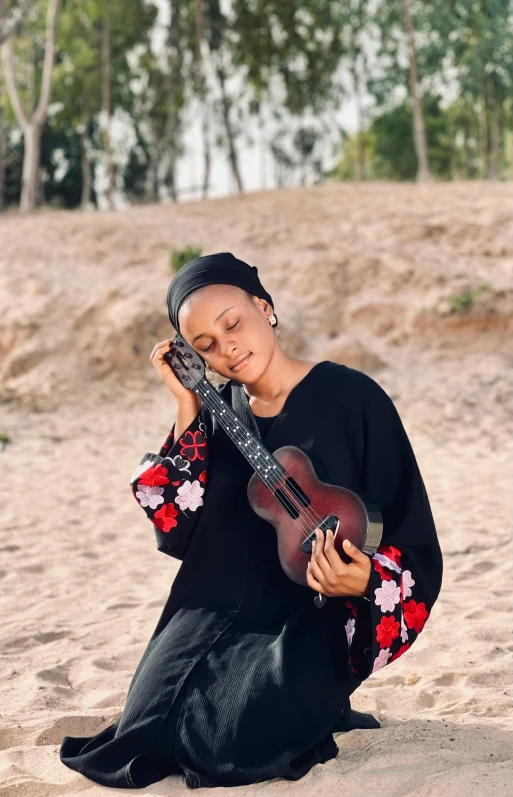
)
(381, 659)
(387, 595)
(407, 583)
(350, 627)
(404, 630)
(386, 561)
(149, 496)
(189, 495)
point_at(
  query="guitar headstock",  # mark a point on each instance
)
(185, 362)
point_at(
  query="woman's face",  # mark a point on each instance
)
(222, 323)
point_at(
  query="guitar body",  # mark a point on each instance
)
(359, 520)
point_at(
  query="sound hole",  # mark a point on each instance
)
(286, 503)
(300, 496)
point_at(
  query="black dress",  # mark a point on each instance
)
(244, 678)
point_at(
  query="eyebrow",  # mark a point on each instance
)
(217, 319)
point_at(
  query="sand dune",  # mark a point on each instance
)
(364, 275)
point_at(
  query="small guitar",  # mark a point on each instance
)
(284, 490)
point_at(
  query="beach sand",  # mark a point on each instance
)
(368, 275)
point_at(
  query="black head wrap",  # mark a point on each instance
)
(221, 267)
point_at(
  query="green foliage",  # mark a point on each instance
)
(4, 439)
(461, 302)
(179, 257)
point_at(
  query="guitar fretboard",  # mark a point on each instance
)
(267, 467)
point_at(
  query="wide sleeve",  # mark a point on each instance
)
(406, 570)
(169, 486)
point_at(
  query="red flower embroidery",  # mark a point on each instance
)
(387, 630)
(164, 518)
(192, 443)
(384, 572)
(175, 484)
(399, 652)
(203, 476)
(350, 606)
(415, 615)
(156, 476)
(391, 552)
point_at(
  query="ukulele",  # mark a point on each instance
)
(284, 490)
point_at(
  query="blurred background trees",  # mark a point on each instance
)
(98, 98)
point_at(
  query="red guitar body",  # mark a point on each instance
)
(358, 521)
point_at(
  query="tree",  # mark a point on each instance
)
(418, 116)
(10, 23)
(32, 124)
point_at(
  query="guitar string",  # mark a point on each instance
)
(310, 514)
(208, 398)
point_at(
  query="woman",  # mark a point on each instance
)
(244, 679)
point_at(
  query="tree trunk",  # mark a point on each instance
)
(418, 118)
(202, 95)
(174, 82)
(232, 152)
(85, 163)
(484, 137)
(2, 159)
(106, 104)
(495, 134)
(32, 124)
(29, 192)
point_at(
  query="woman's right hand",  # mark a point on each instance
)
(183, 394)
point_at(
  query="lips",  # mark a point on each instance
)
(240, 362)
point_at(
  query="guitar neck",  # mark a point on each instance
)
(263, 462)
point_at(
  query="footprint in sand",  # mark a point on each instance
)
(79, 725)
(55, 675)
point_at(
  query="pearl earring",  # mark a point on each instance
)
(272, 320)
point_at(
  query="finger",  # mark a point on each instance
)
(320, 556)
(358, 556)
(332, 555)
(312, 581)
(162, 346)
(317, 572)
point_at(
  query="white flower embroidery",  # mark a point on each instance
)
(189, 495)
(140, 469)
(381, 659)
(180, 463)
(408, 583)
(350, 626)
(404, 631)
(149, 496)
(386, 562)
(387, 595)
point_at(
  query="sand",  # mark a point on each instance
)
(361, 274)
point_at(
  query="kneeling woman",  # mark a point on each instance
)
(244, 678)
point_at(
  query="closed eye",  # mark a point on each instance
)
(232, 326)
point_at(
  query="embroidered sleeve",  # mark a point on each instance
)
(169, 486)
(382, 629)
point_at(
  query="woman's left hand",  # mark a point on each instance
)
(328, 574)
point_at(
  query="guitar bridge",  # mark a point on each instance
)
(330, 522)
